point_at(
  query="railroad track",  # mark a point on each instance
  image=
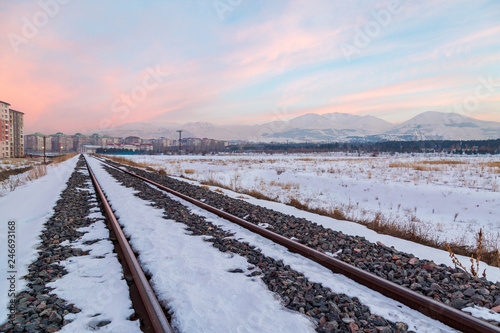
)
(428, 306)
(143, 298)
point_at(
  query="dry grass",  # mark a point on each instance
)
(479, 252)
(334, 213)
(495, 164)
(400, 165)
(189, 171)
(285, 186)
(441, 162)
(37, 172)
(426, 165)
(31, 174)
(414, 231)
(414, 166)
(257, 194)
(4, 175)
(28, 174)
(126, 161)
(62, 158)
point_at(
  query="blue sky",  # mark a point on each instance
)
(93, 64)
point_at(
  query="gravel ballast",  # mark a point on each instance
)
(39, 309)
(451, 286)
(333, 312)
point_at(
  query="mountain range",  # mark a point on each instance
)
(325, 127)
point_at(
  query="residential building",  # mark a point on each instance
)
(61, 143)
(204, 145)
(16, 127)
(161, 145)
(145, 147)
(95, 139)
(132, 139)
(107, 141)
(4, 130)
(79, 140)
(35, 143)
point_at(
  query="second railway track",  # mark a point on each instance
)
(430, 307)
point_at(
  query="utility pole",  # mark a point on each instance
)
(180, 138)
(44, 145)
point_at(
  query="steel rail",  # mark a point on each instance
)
(154, 311)
(437, 310)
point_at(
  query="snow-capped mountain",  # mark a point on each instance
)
(445, 126)
(331, 126)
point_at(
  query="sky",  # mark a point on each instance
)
(84, 66)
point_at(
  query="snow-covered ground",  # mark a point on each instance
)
(448, 198)
(9, 181)
(191, 275)
(30, 206)
(101, 272)
(17, 163)
(355, 229)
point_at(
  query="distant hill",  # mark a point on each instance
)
(446, 126)
(330, 126)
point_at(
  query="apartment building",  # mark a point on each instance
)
(130, 140)
(35, 142)
(79, 140)
(4, 130)
(16, 124)
(61, 143)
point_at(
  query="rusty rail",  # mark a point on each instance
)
(437, 310)
(148, 300)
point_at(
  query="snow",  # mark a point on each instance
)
(447, 202)
(378, 304)
(17, 163)
(339, 126)
(101, 272)
(30, 206)
(483, 313)
(192, 278)
(170, 234)
(355, 229)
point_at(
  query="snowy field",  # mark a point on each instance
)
(444, 197)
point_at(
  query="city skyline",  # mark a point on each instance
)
(76, 67)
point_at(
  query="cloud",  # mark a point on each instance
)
(266, 58)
